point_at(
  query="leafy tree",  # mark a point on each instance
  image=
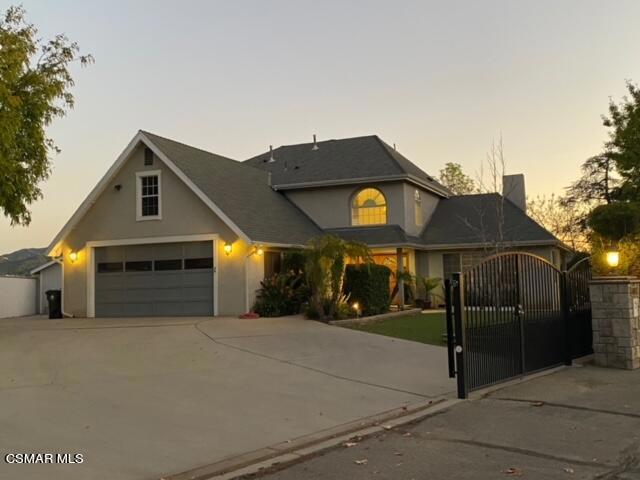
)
(452, 177)
(324, 270)
(624, 141)
(597, 183)
(35, 84)
(619, 217)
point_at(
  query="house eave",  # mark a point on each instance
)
(475, 245)
(360, 180)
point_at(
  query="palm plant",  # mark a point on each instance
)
(324, 269)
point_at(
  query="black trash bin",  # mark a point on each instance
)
(54, 297)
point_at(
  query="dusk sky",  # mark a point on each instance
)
(439, 79)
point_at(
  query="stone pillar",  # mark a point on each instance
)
(616, 335)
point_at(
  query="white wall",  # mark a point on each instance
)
(17, 296)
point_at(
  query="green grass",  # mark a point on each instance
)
(419, 327)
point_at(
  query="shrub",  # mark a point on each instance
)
(281, 294)
(368, 284)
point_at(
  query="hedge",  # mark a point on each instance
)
(368, 284)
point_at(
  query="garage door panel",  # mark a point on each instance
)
(167, 309)
(167, 279)
(110, 296)
(139, 280)
(191, 294)
(168, 294)
(139, 295)
(167, 289)
(197, 308)
(198, 277)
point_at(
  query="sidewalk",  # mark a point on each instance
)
(578, 423)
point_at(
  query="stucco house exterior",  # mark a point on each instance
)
(175, 230)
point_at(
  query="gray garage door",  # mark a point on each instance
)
(154, 280)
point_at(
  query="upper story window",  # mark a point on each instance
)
(148, 193)
(418, 207)
(369, 207)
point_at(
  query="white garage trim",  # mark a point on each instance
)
(91, 262)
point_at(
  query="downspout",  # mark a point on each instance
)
(62, 289)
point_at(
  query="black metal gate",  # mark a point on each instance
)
(514, 314)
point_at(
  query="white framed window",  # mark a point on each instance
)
(418, 207)
(369, 207)
(149, 195)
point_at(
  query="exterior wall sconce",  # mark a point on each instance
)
(613, 257)
(228, 248)
(73, 256)
(259, 251)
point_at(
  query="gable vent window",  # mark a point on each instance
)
(148, 156)
(149, 201)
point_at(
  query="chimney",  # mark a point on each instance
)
(271, 159)
(315, 145)
(513, 190)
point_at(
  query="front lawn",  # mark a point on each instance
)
(419, 327)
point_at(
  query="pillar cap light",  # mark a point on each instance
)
(613, 257)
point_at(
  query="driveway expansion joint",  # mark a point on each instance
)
(316, 370)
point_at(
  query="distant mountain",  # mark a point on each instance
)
(21, 262)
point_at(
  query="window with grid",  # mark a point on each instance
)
(369, 207)
(150, 196)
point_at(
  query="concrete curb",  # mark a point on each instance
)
(373, 318)
(293, 451)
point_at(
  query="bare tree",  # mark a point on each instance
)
(564, 219)
(488, 223)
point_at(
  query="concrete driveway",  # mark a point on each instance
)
(143, 398)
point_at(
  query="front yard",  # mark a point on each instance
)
(420, 327)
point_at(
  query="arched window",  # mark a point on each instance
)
(369, 207)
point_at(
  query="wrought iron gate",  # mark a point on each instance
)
(514, 314)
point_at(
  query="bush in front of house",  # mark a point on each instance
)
(368, 284)
(281, 294)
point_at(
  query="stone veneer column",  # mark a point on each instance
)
(616, 334)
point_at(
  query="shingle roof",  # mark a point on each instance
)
(242, 193)
(381, 235)
(341, 160)
(468, 219)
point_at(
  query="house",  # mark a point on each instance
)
(175, 230)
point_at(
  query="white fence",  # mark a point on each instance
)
(18, 296)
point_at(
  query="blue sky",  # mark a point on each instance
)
(439, 79)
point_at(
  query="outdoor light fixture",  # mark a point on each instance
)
(259, 251)
(73, 256)
(613, 257)
(356, 307)
(228, 249)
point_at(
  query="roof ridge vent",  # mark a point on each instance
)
(271, 159)
(315, 144)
